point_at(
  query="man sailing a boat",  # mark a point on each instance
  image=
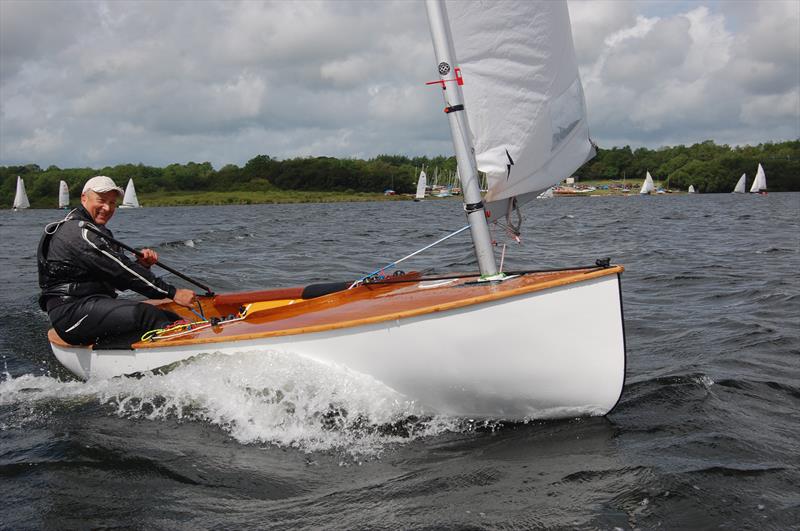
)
(80, 273)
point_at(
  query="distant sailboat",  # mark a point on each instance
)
(740, 189)
(647, 186)
(760, 182)
(63, 195)
(421, 184)
(547, 194)
(21, 198)
(130, 200)
(691, 189)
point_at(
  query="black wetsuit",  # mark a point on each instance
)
(79, 273)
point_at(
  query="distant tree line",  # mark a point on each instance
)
(707, 166)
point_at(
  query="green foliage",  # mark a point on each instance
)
(707, 166)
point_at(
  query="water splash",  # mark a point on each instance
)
(256, 397)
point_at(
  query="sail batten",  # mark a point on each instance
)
(522, 94)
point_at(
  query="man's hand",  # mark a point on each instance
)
(184, 297)
(148, 258)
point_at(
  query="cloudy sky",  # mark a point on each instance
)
(94, 83)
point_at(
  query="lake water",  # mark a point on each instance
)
(705, 435)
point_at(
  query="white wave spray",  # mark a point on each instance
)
(256, 397)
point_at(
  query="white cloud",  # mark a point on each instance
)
(686, 76)
(97, 82)
(771, 109)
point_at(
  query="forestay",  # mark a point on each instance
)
(522, 94)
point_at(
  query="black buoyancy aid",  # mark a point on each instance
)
(64, 278)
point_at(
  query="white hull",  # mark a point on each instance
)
(555, 353)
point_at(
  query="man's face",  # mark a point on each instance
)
(101, 206)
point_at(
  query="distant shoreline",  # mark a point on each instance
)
(609, 187)
(258, 197)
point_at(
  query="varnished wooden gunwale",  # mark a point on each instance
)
(53, 337)
(373, 303)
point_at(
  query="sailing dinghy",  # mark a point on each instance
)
(21, 197)
(525, 344)
(422, 182)
(760, 183)
(63, 195)
(129, 200)
(740, 188)
(648, 186)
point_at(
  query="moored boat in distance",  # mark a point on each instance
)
(513, 353)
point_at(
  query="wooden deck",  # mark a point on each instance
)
(369, 303)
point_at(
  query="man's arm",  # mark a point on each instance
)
(122, 272)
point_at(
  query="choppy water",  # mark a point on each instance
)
(706, 434)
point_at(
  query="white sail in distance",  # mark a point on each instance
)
(760, 182)
(740, 188)
(130, 200)
(647, 186)
(63, 195)
(422, 182)
(21, 197)
(522, 95)
(691, 189)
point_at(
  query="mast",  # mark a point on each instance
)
(450, 81)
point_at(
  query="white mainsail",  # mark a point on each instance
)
(422, 182)
(522, 95)
(21, 197)
(63, 195)
(130, 200)
(691, 189)
(647, 186)
(740, 188)
(760, 182)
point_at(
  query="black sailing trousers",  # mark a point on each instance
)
(100, 318)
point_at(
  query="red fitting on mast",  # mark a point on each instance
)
(458, 79)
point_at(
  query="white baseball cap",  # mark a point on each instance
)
(102, 184)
